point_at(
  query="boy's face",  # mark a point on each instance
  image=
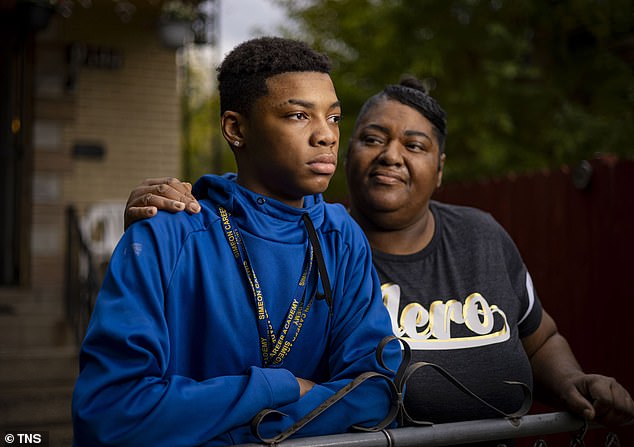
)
(291, 137)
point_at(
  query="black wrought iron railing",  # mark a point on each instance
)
(82, 277)
(458, 433)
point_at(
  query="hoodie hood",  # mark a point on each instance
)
(255, 213)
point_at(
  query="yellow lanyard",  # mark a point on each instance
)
(274, 347)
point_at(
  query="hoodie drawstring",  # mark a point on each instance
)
(321, 264)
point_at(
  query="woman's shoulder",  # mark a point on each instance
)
(464, 216)
(469, 224)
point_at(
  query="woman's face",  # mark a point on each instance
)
(393, 165)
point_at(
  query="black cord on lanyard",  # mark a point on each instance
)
(321, 264)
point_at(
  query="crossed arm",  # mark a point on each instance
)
(131, 390)
(559, 379)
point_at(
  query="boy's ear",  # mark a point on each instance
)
(231, 125)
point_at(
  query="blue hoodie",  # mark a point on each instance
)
(172, 355)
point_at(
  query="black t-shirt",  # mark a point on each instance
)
(463, 303)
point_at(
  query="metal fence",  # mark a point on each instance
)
(457, 433)
(91, 238)
(574, 228)
(82, 277)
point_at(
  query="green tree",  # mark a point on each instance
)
(527, 84)
(204, 149)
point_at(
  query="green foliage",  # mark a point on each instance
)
(204, 149)
(526, 84)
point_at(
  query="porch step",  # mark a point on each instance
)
(38, 409)
(36, 387)
(35, 406)
(34, 331)
(38, 366)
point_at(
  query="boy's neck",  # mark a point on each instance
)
(252, 186)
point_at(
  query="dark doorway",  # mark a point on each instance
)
(16, 118)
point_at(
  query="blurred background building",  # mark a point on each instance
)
(91, 104)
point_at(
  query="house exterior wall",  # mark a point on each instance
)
(122, 96)
(132, 111)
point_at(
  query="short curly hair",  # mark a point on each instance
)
(243, 73)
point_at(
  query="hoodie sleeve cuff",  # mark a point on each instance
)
(283, 385)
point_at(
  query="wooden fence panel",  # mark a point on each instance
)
(578, 244)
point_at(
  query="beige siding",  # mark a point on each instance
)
(134, 112)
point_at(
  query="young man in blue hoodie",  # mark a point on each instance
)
(266, 299)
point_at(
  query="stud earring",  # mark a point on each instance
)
(236, 143)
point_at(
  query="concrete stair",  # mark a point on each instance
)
(35, 392)
(38, 366)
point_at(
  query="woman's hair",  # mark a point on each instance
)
(410, 92)
(243, 73)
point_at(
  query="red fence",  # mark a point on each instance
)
(575, 230)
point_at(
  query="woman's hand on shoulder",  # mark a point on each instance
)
(153, 194)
